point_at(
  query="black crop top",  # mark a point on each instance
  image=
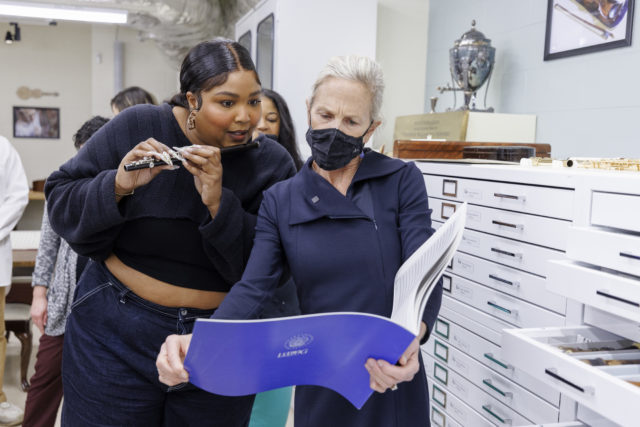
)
(169, 250)
(164, 230)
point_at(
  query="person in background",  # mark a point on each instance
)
(14, 196)
(168, 242)
(277, 124)
(271, 408)
(343, 226)
(129, 97)
(55, 275)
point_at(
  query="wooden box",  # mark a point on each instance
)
(405, 149)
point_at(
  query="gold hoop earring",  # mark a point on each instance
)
(191, 120)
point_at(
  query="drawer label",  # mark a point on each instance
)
(440, 373)
(441, 351)
(459, 365)
(460, 414)
(474, 215)
(459, 387)
(464, 265)
(473, 193)
(442, 328)
(446, 210)
(437, 417)
(463, 291)
(449, 187)
(470, 241)
(461, 344)
(446, 283)
(439, 396)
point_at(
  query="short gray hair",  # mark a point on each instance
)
(358, 68)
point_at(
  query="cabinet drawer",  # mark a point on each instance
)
(612, 323)
(515, 254)
(456, 413)
(617, 251)
(490, 355)
(540, 230)
(546, 201)
(506, 391)
(607, 290)
(508, 280)
(490, 408)
(615, 210)
(535, 351)
(480, 318)
(503, 306)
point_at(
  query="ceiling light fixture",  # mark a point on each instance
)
(15, 37)
(62, 13)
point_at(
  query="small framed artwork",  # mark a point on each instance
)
(575, 27)
(36, 122)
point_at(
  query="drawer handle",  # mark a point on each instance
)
(628, 255)
(626, 301)
(499, 307)
(506, 224)
(496, 361)
(552, 373)
(489, 384)
(509, 196)
(507, 253)
(505, 281)
(496, 416)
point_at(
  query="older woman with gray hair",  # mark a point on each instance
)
(344, 225)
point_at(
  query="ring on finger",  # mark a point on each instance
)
(394, 387)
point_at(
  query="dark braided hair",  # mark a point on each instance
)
(208, 65)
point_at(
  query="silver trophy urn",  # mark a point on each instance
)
(471, 61)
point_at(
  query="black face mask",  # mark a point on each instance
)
(332, 149)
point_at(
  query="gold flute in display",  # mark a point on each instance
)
(621, 163)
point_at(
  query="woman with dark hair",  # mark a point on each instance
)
(129, 97)
(277, 124)
(168, 241)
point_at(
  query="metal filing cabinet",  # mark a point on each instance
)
(517, 220)
(549, 256)
(602, 272)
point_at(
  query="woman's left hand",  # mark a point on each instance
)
(384, 375)
(205, 165)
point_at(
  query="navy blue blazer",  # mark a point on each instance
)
(343, 254)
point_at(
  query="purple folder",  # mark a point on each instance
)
(235, 358)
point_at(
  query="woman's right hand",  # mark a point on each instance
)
(126, 182)
(171, 358)
(39, 307)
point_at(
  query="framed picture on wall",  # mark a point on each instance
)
(575, 27)
(36, 122)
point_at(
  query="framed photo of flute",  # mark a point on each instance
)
(575, 27)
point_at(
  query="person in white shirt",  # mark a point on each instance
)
(14, 196)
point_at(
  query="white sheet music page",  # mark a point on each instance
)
(419, 274)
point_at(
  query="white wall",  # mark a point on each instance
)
(587, 105)
(144, 65)
(53, 59)
(63, 59)
(401, 50)
(308, 33)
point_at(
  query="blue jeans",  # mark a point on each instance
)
(109, 374)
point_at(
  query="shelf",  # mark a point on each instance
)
(36, 195)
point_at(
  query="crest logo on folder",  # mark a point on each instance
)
(298, 341)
